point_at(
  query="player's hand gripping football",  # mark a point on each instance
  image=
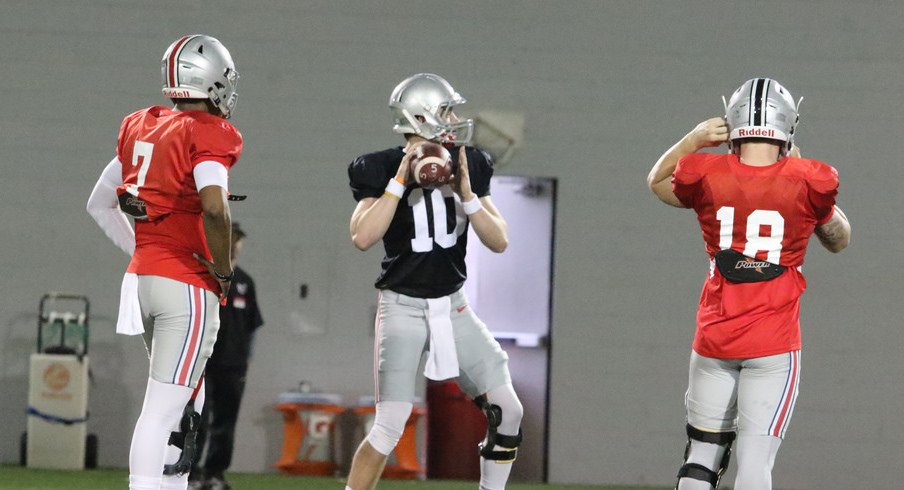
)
(712, 132)
(224, 284)
(403, 174)
(461, 182)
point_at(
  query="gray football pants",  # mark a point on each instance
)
(752, 396)
(180, 327)
(402, 339)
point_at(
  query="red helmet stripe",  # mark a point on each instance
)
(171, 61)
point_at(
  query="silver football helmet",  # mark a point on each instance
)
(200, 67)
(762, 108)
(423, 104)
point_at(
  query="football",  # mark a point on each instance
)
(431, 165)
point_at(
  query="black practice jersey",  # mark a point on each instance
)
(428, 236)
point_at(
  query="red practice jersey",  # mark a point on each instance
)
(159, 149)
(768, 213)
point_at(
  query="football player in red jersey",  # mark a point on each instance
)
(170, 174)
(757, 206)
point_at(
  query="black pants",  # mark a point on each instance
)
(224, 389)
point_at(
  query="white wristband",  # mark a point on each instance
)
(472, 206)
(395, 188)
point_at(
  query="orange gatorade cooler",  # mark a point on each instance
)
(309, 423)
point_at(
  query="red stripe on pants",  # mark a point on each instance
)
(195, 334)
(792, 386)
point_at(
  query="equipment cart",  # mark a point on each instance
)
(56, 435)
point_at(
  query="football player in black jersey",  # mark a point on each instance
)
(422, 307)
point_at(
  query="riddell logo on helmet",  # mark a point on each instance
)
(175, 94)
(765, 133)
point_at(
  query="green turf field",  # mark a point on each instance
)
(19, 478)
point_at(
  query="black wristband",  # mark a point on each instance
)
(224, 277)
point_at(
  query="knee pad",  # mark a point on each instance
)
(187, 437)
(698, 471)
(508, 443)
(389, 423)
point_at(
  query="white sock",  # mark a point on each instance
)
(756, 457)
(693, 484)
(174, 482)
(173, 453)
(704, 454)
(494, 474)
(144, 482)
(160, 415)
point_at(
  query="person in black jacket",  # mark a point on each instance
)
(224, 378)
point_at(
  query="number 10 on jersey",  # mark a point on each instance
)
(422, 241)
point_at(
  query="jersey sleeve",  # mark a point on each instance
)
(366, 178)
(823, 188)
(687, 178)
(480, 167)
(121, 152)
(215, 141)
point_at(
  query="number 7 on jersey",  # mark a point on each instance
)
(141, 155)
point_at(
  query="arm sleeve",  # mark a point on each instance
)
(686, 180)
(103, 206)
(366, 179)
(480, 165)
(211, 173)
(823, 188)
(217, 142)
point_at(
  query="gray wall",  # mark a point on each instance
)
(606, 87)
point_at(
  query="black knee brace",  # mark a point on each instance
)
(488, 448)
(186, 440)
(698, 471)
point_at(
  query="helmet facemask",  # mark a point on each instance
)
(224, 97)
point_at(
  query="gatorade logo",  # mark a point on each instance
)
(56, 377)
(319, 425)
